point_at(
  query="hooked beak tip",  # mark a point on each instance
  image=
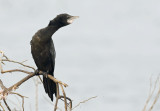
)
(76, 17)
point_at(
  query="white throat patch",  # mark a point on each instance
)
(70, 20)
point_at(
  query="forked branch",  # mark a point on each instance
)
(5, 91)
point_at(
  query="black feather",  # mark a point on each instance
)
(43, 51)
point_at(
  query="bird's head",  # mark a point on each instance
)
(63, 20)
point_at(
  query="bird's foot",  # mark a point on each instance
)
(36, 72)
(45, 74)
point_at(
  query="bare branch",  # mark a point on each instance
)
(52, 78)
(156, 98)
(5, 91)
(36, 95)
(1, 85)
(21, 97)
(2, 107)
(40, 79)
(15, 86)
(151, 95)
(70, 101)
(55, 107)
(151, 92)
(21, 63)
(83, 102)
(15, 70)
(6, 105)
(65, 101)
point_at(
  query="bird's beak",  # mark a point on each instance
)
(71, 19)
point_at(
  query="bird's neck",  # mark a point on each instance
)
(47, 32)
(51, 30)
(53, 26)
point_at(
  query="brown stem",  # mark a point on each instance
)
(6, 104)
(69, 100)
(2, 107)
(21, 97)
(31, 74)
(57, 98)
(52, 78)
(21, 81)
(65, 101)
(83, 102)
(21, 63)
(15, 70)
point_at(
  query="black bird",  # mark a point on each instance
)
(43, 51)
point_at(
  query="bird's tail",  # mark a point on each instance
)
(50, 87)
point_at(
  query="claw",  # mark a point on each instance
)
(36, 72)
(46, 75)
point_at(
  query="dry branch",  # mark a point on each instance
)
(21, 97)
(65, 101)
(6, 105)
(5, 91)
(151, 95)
(83, 102)
(2, 107)
(21, 63)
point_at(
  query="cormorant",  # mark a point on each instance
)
(43, 51)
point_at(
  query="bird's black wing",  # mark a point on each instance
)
(43, 53)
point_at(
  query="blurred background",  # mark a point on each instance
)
(111, 51)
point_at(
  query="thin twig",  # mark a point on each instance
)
(70, 101)
(21, 97)
(15, 70)
(1, 60)
(31, 74)
(18, 95)
(40, 79)
(15, 86)
(2, 107)
(56, 103)
(1, 85)
(18, 105)
(52, 78)
(36, 95)
(65, 101)
(9, 90)
(6, 105)
(155, 100)
(21, 63)
(151, 92)
(83, 102)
